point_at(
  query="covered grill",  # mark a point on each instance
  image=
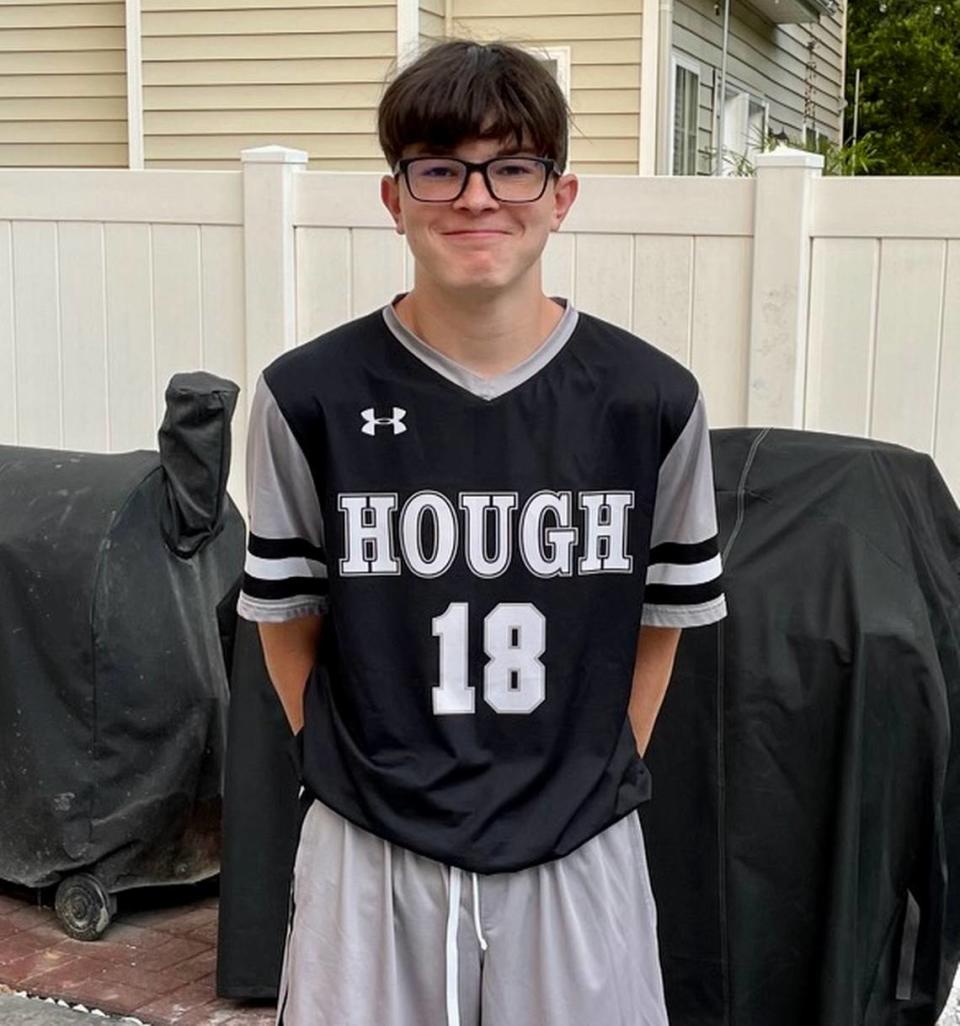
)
(804, 833)
(113, 693)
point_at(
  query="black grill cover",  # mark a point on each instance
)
(112, 688)
(261, 819)
(805, 818)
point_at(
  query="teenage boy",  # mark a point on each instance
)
(478, 520)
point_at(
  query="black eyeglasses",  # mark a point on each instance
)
(508, 179)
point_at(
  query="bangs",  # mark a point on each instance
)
(461, 90)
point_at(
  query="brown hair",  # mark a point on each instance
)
(460, 89)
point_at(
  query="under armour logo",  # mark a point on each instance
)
(372, 422)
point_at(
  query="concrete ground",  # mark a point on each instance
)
(16, 1010)
(951, 1014)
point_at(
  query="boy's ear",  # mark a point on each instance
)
(390, 196)
(564, 193)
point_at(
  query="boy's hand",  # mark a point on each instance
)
(656, 649)
(290, 650)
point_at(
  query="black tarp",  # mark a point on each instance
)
(805, 817)
(261, 819)
(113, 693)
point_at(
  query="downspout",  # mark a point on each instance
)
(649, 87)
(134, 85)
(408, 31)
(664, 64)
(843, 73)
(721, 100)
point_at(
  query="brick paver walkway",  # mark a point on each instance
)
(157, 963)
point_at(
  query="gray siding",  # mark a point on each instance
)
(768, 59)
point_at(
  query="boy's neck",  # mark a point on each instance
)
(487, 334)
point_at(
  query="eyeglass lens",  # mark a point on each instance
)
(511, 178)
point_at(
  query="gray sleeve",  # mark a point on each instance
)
(285, 573)
(684, 586)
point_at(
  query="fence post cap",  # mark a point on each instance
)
(273, 155)
(787, 156)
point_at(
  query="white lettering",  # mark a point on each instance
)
(368, 538)
(477, 507)
(548, 552)
(428, 531)
(444, 516)
(605, 543)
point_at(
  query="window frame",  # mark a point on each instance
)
(737, 88)
(560, 54)
(690, 64)
(816, 134)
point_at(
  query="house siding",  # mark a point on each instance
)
(63, 94)
(768, 59)
(244, 73)
(309, 74)
(604, 73)
(432, 22)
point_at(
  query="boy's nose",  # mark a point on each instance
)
(476, 193)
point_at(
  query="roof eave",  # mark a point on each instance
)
(789, 12)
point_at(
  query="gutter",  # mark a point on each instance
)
(655, 64)
(665, 64)
(649, 87)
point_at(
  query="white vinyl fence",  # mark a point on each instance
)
(826, 303)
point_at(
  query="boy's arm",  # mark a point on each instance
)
(289, 650)
(284, 586)
(656, 649)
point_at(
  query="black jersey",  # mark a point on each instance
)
(485, 551)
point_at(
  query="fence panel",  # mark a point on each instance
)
(908, 341)
(663, 267)
(947, 446)
(131, 367)
(603, 276)
(83, 351)
(36, 332)
(8, 350)
(104, 290)
(884, 335)
(720, 332)
(110, 281)
(843, 298)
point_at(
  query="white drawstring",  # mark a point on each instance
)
(476, 912)
(453, 965)
(453, 955)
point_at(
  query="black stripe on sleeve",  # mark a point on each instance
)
(290, 587)
(683, 594)
(283, 548)
(683, 555)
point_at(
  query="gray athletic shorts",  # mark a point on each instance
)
(381, 936)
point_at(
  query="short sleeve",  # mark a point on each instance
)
(285, 572)
(684, 586)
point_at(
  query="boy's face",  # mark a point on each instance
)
(476, 242)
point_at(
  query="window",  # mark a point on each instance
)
(557, 60)
(686, 116)
(744, 127)
(812, 135)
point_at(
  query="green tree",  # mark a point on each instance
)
(908, 53)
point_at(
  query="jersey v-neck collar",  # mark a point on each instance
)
(483, 388)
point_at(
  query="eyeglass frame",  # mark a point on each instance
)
(550, 166)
